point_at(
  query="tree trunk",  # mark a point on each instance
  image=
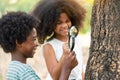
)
(104, 55)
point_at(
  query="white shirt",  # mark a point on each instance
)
(76, 73)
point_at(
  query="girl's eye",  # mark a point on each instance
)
(34, 39)
(60, 22)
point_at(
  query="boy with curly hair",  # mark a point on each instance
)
(18, 36)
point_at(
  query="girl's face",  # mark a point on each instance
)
(62, 25)
(30, 45)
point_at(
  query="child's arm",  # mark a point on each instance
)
(83, 74)
(53, 66)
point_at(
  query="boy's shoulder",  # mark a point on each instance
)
(17, 66)
(15, 69)
(18, 70)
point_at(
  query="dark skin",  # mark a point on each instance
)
(26, 49)
(17, 56)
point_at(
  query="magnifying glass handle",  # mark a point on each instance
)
(69, 42)
(72, 42)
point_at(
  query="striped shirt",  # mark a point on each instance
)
(20, 71)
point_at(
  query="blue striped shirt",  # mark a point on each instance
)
(20, 71)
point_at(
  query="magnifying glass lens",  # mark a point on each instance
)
(72, 33)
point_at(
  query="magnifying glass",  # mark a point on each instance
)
(72, 33)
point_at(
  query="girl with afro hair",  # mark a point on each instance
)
(56, 17)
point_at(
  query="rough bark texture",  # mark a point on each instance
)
(104, 55)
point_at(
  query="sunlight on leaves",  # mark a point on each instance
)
(90, 1)
(12, 1)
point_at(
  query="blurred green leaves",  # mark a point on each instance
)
(16, 5)
(0, 77)
(88, 6)
(28, 5)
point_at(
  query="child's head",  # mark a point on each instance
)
(17, 31)
(49, 15)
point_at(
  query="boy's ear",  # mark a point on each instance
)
(18, 45)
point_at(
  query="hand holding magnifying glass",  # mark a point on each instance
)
(72, 33)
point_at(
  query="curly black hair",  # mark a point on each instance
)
(48, 12)
(15, 26)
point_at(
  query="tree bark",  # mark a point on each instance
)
(104, 52)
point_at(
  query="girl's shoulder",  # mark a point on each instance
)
(53, 43)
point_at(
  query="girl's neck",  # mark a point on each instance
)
(18, 57)
(64, 39)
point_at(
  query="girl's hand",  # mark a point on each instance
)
(70, 60)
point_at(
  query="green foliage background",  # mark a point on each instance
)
(28, 5)
(16, 5)
(88, 6)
